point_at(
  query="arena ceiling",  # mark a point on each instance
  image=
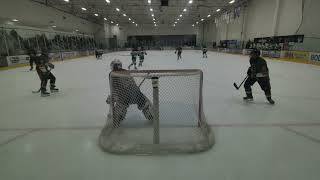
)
(141, 11)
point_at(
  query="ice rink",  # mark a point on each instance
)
(56, 137)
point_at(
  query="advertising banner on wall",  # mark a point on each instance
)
(21, 59)
(315, 57)
(271, 54)
(295, 55)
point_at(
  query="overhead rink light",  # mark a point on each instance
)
(105, 19)
(136, 24)
(124, 15)
(184, 10)
(180, 15)
(202, 19)
(96, 14)
(209, 15)
(108, 1)
(231, 2)
(178, 19)
(84, 9)
(66, 0)
(149, 1)
(54, 26)
(117, 9)
(152, 15)
(151, 9)
(117, 24)
(153, 19)
(192, 25)
(111, 22)
(197, 22)
(218, 10)
(190, 2)
(15, 20)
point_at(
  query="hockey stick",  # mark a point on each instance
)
(238, 87)
(143, 80)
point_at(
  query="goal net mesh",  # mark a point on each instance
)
(156, 112)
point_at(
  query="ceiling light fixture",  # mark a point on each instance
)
(231, 2)
(96, 14)
(124, 15)
(184, 10)
(202, 19)
(218, 10)
(66, 0)
(149, 1)
(117, 9)
(53, 26)
(152, 15)
(15, 20)
(178, 19)
(190, 2)
(105, 19)
(192, 25)
(129, 19)
(209, 15)
(111, 22)
(151, 9)
(180, 15)
(197, 22)
(84, 9)
(108, 1)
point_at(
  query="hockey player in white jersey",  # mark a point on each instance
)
(125, 93)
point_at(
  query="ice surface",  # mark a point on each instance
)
(241, 152)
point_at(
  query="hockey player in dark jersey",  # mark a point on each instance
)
(134, 53)
(204, 52)
(125, 93)
(178, 52)
(142, 52)
(32, 53)
(258, 72)
(43, 67)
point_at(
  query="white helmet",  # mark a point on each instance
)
(116, 65)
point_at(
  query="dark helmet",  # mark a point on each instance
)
(255, 52)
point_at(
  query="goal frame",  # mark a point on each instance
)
(157, 147)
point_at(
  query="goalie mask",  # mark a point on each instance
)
(116, 65)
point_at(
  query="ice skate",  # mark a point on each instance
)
(44, 93)
(248, 98)
(53, 89)
(271, 101)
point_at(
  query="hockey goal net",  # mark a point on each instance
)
(156, 112)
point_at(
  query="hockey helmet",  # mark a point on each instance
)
(116, 65)
(255, 52)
